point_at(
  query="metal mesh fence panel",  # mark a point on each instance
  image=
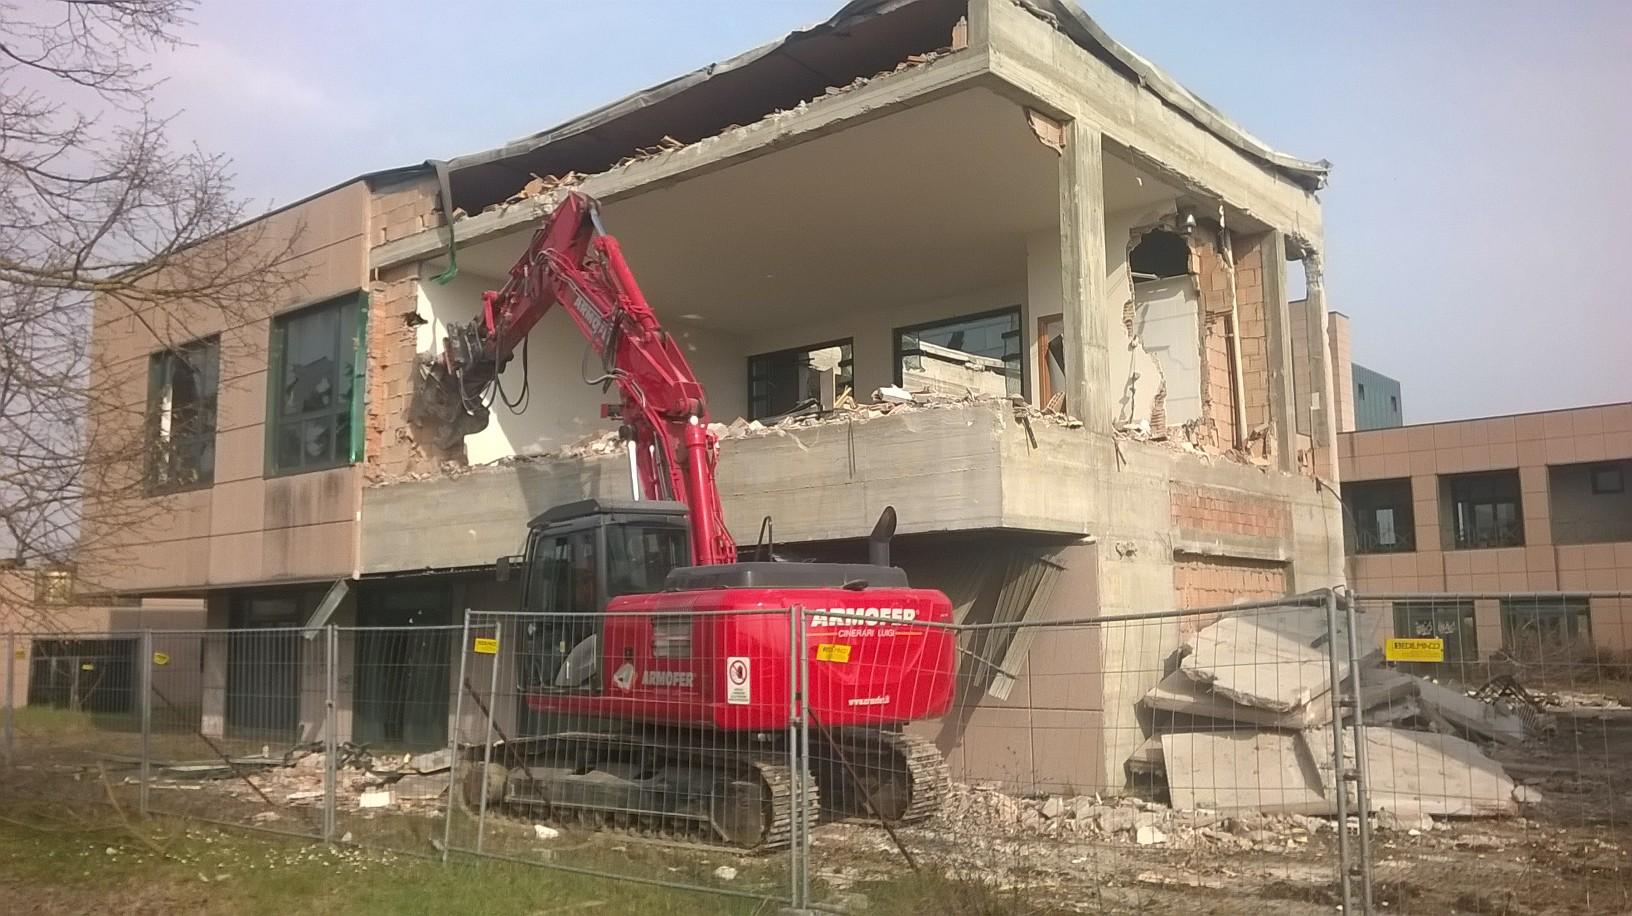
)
(653, 747)
(1151, 763)
(1497, 752)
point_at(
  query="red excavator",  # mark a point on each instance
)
(657, 671)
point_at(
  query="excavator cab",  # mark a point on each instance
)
(580, 555)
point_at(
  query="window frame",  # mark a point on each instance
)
(1456, 482)
(1618, 487)
(160, 373)
(896, 336)
(354, 305)
(849, 362)
(1363, 499)
(1045, 383)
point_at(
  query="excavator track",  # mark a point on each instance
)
(708, 796)
(902, 778)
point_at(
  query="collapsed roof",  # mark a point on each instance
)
(863, 38)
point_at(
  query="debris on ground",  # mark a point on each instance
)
(296, 777)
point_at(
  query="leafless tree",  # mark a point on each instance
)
(99, 214)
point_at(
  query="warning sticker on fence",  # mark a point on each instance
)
(485, 646)
(833, 652)
(737, 690)
(159, 658)
(1414, 650)
(87, 667)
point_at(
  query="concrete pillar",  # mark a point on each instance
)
(1082, 262)
(1322, 418)
(1278, 329)
(213, 699)
(1487, 625)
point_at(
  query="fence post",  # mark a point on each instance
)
(802, 777)
(11, 690)
(331, 729)
(145, 679)
(793, 755)
(1340, 770)
(1358, 728)
(487, 737)
(453, 738)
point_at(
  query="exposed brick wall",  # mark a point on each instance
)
(389, 448)
(1254, 330)
(1229, 512)
(403, 209)
(1218, 386)
(1221, 581)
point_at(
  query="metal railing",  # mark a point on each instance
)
(1268, 751)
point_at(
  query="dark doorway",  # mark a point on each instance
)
(84, 675)
(263, 668)
(403, 664)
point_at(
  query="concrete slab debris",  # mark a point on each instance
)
(380, 799)
(439, 761)
(1435, 774)
(1178, 693)
(1274, 660)
(1259, 771)
(1466, 715)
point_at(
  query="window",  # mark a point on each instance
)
(781, 381)
(1452, 621)
(1485, 510)
(181, 398)
(1394, 403)
(1360, 387)
(311, 389)
(1379, 517)
(54, 587)
(973, 354)
(639, 558)
(1536, 629)
(1607, 479)
(1051, 361)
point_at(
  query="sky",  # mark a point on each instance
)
(1482, 149)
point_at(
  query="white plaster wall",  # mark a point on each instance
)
(1167, 317)
(562, 409)
(1135, 377)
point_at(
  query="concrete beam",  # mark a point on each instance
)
(950, 469)
(1278, 329)
(1082, 262)
(886, 94)
(1041, 67)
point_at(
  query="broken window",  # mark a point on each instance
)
(1160, 254)
(1450, 620)
(782, 381)
(314, 364)
(969, 355)
(1485, 510)
(1536, 629)
(181, 399)
(1379, 517)
(1051, 362)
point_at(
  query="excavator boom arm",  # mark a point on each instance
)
(571, 261)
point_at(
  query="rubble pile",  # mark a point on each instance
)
(1243, 725)
(846, 409)
(979, 809)
(296, 778)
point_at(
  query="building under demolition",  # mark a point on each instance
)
(1065, 275)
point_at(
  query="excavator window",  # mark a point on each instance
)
(639, 557)
(560, 644)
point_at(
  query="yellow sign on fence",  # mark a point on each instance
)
(833, 652)
(161, 659)
(485, 646)
(1414, 650)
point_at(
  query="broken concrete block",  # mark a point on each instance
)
(1054, 807)
(380, 799)
(1527, 795)
(420, 787)
(725, 873)
(1468, 715)
(1275, 660)
(542, 832)
(1149, 836)
(892, 394)
(1117, 819)
(1270, 772)
(1178, 693)
(434, 762)
(1435, 774)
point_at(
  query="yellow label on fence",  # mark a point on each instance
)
(87, 667)
(1414, 650)
(833, 652)
(20, 654)
(159, 658)
(485, 646)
